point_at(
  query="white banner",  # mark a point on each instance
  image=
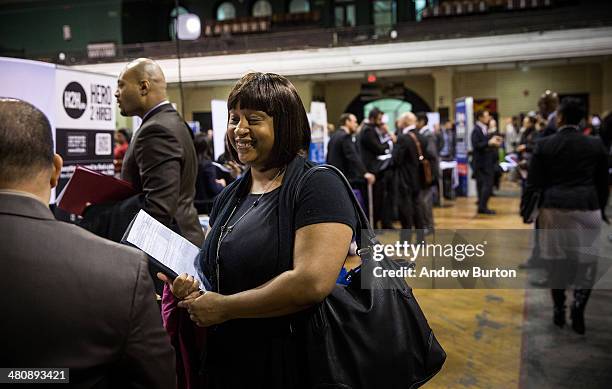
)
(29, 81)
(319, 136)
(219, 122)
(32, 82)
(85, 100)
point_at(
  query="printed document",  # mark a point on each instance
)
(164, 245)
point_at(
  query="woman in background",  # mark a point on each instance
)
(208, 186)
(122, 141)
(569, 170)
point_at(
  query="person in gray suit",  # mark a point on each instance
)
(161, 161)
(69, 299)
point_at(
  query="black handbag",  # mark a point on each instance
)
(372, 337)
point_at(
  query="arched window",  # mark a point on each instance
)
(261, 8)
(299, 6)
(226, 11)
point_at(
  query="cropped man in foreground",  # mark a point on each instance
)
(70, 299)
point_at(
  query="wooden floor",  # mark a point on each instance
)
(502, 338)
(479, 329)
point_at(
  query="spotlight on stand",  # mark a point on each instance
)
(189, 27)
(185, 26)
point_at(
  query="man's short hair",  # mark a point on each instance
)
(572, 111)
(480, 113)
(374, 113)
(422, 117)
(345, 117)
(26, 142)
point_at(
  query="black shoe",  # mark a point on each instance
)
(577, 316)
(559, 316)
(486, 212)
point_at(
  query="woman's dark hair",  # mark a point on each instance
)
(532, 119)
(278, 98)
(571, 110)
(126, 134)
(202, 147)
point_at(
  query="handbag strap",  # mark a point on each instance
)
(363, 226)
(418, 145)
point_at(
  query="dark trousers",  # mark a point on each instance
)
(362, 187)
(484, 185)
(581, 297)
(383, 199)
(447, 184)
(410, 215)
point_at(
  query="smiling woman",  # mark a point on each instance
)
(272, 251)
(264, 96)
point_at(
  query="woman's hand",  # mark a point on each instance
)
(182, 286)
(235, 169)
(206, 309)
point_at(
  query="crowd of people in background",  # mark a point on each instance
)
(393, 160)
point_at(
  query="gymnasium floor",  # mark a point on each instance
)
(505, 338)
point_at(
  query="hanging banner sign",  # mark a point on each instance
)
(319, 136)
(80, 107)
(464, 119)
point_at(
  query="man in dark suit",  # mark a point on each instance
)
(484, 157)
(407, 176)
(342, 152)
(376, 144)
(70, 299)
(547, 105)
(431, 149)
(161, 161)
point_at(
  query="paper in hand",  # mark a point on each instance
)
(164, 245)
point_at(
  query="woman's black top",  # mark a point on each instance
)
(571, 169)
(248, 256)
(266, 353)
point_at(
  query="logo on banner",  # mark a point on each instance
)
(75, 100)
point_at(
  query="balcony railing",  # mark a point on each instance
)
(236, 39)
